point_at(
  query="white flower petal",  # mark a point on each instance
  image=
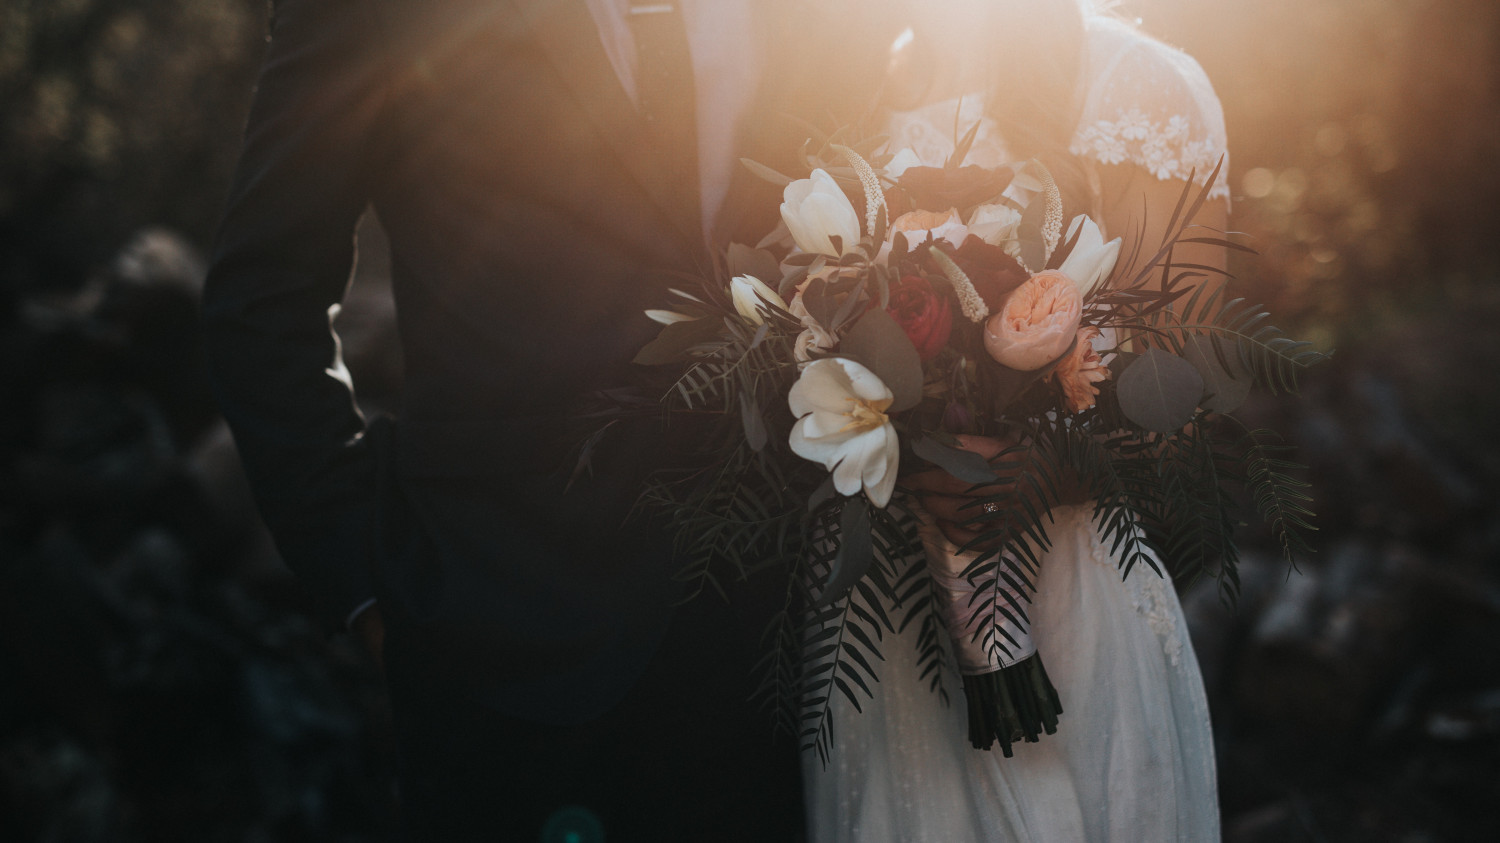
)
(822, 385)
(879, 484)
(668, 317)
(1091, 260)
(861, 456)
(814, 208)
(822, 423)
(863, 382)
(752, 297)
(995, 224)
(900, 162)
(827, 450)
(849, 474)
(831, 215)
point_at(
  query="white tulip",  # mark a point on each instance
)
(815, 208)
(751, 296)
(841, 422)
(1092, 259)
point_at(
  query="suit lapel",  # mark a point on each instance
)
(768, 134)
(820, 71)
(568, 35)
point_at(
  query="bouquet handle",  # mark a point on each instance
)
(1009, 696)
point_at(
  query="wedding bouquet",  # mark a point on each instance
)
(898, 307)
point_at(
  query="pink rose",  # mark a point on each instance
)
(925, 316)
(1036, 324)
(1078, 372)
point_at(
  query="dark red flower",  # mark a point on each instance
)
(925, 316)
(939, 188)
(993, 272)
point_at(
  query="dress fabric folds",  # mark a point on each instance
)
(1132, 759)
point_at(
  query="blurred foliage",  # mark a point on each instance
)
(118, 115)
(1365, 136)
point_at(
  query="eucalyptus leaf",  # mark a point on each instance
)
(1121, 362)
(854, 299)
(766, 173)
(880, 344)
(789, 282)
(1004, 384)
(779, 234)
(675, 340)
(1221, 365)
(821, 495)
(757, 263)
(820, 302)
(855, 554)
(1160, 391)
(965, 465)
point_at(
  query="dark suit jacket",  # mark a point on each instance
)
(529, 227)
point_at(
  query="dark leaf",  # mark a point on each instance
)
(965, 465)
(821, 495)
(1160, 391)
(754, 422)
(674, 341)
(585, 464)
(855, 555)
(1225, 377)
(880, 344)
(757, 263)
(820, 301)
(766, 173)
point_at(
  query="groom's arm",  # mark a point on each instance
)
(282, 259)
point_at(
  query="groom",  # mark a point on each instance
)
(541, 167)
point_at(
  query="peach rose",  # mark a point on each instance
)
(1078, 372)
(1037, 322)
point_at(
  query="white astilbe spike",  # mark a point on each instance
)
(969, 301)
(1052, 224)
(874, 196)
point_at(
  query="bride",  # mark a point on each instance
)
(1122, 121)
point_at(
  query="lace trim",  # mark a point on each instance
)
(1163, 149)
(1148, 597)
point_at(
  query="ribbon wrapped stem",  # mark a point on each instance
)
(1009, 696)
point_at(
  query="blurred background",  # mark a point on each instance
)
(160, 678)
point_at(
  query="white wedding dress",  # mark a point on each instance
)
(1133, 757)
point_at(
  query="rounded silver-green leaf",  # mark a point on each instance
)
(1160, 391)
(879, 343)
